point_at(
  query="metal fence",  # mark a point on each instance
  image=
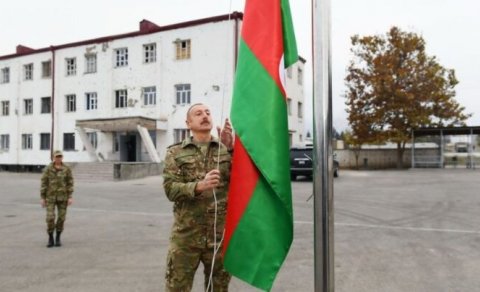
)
(456, 148)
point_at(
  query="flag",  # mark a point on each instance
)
(259, 220)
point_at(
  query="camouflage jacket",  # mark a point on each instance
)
(185, 166)
(57, 183)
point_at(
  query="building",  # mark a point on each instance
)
(123, 97)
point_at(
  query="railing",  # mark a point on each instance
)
(427, 161)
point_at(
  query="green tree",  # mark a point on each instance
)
(393, 87)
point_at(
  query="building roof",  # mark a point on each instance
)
(389, 145)
(146, 27)
(447, 131)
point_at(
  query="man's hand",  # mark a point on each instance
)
(43, 203)
(225, 134)
(70, 201)
(211, 181)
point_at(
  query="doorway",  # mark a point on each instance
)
(128, 147)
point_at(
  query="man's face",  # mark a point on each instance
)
(58, 159)
(199, 119)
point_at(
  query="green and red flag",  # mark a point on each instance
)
(259, 223)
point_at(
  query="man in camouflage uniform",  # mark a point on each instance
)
(196, 172)
(56, 191)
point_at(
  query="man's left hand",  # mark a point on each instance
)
(70, 201)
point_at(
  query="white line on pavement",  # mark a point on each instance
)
(121, 212)
(398, 227)
(296, 222)
(70, 209)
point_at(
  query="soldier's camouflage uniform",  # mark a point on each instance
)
(192, 236)
(56, 189)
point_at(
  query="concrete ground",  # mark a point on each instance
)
(415, 230)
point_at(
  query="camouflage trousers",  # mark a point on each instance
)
(61, 212)
(182, 263)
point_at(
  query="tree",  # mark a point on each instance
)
(353, 144)
(393, 87)
(335, 134)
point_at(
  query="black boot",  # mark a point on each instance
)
(57, 240)
(50, 239)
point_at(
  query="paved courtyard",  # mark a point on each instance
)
(414, 230)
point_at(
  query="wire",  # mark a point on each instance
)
(215, 247)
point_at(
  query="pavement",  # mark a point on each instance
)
(412, 230)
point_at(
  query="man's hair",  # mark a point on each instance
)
(190, 108)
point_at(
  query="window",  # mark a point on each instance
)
(5, 108)
(47, 69)
(300, 110)
(68, 141)
(28, 72)
(121, 98)
(46, 105)
(71, 103)
(149, 95)
(27, 141)
(182, 93)
(4, 142)
(289, 106)
(180, 134)
(44, 141)
(182, 49)
(28, 106)
(300, 76)
(91, 100)
(91, 63)
(5, 75)
(92, 137)
(149, 53)
(121, 57)
(300, 137)
(289, 72)
(71, 66)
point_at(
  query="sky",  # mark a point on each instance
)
(451, 29)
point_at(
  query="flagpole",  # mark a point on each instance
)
(323, 158)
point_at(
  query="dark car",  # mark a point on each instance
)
(301, 162)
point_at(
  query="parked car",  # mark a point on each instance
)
(301, 162)
(336, 166)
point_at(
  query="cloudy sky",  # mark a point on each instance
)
(451, 29)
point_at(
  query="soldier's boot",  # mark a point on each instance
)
(57, 240)
(50, 239)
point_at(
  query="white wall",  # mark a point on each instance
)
(18, 123)
(296, 93)
(211, 66)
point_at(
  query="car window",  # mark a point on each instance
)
(300, 153)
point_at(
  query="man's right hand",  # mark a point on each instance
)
(43, 203)
(211, 181)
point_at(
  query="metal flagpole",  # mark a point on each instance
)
(323, 156)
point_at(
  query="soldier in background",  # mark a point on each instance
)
(194, 170)
(56, 191)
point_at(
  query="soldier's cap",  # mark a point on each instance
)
(57, 153)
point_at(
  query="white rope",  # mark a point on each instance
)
(210, 278)
(215, 247)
